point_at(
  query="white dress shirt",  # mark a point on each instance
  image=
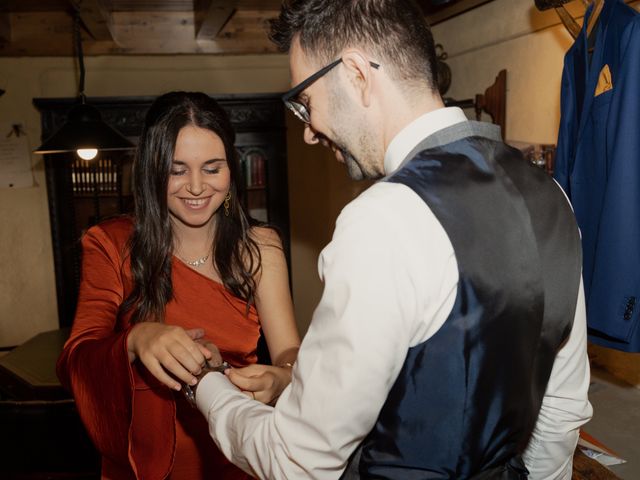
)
(390, 278)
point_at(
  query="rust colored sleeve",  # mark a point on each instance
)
(121, 408)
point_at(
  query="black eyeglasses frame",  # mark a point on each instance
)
(299, 109)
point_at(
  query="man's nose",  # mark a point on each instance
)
(310, 136)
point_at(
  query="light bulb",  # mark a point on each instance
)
(87, 153)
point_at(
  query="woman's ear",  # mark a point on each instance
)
(360, 74)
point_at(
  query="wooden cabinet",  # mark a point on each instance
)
(81, 193)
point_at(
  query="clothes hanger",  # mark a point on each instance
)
(591, 24)
(568, 21)
(595, 14)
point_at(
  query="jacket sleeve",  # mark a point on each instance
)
(113, 399)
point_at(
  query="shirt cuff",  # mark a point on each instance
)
(210, 388)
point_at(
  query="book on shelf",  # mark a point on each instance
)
(100, 174)
(254, 163)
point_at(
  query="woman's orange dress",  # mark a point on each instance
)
(143, 429)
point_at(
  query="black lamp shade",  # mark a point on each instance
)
(84, 128)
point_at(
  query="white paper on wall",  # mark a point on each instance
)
(15, 157)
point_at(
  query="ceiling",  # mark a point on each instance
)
(143, 27)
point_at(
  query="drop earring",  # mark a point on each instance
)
(227, 200)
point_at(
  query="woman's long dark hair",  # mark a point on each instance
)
(236, 254)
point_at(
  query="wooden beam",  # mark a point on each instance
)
(5, 27)
(248, 24)
(96, 17)
(40, 33)
(34, 5)
(138, 33)
(210, 18)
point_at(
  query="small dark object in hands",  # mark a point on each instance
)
(214, 364)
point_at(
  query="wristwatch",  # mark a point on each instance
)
(189, 391)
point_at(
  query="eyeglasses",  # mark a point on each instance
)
(290, 98)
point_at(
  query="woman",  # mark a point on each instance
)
(185, 270)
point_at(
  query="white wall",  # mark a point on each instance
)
(512, 35)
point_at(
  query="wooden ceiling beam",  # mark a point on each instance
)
(96, 17)
(210, 17)
(204, 47)
(248, 24)
(138, 33)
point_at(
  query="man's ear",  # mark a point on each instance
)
(360, 73)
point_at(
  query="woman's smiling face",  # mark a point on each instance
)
(200, 177)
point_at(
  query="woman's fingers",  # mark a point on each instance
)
(168, 350)
(156, 369)
(211, 352)
(181, 363)
(195, 333)
(195, 350)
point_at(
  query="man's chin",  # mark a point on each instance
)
(354, 170)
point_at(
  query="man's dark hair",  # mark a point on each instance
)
(396, 31)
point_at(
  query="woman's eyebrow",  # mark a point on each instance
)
(207, 162)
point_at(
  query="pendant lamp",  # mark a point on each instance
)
(84, 132)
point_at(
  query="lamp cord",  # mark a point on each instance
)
(78, 41)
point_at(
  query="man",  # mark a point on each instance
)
(450, 338)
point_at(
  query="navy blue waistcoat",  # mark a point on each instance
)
(467, 399)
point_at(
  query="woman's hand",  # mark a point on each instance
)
(168, 350)
(261, 382)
